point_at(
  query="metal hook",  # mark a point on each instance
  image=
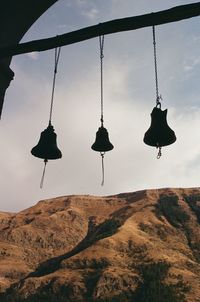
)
(159, 153)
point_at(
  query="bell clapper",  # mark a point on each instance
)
(102, 167)
(43, 173)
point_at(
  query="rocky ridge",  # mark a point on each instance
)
(86, 248)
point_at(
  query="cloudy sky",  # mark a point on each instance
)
(129, 96)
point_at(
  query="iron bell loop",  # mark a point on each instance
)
(158, 103)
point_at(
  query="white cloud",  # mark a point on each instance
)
(191, 63)
(81, 3)
(33, 55)
(91, 13)
(130, 166)
(129, 94)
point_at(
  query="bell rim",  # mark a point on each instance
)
(160, 144)
(102, 149)
(47, 156)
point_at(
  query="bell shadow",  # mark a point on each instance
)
(95, 233)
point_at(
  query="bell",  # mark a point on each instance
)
(102, 143)
(159, 133)
(47, 146)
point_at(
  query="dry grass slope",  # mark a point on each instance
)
(142, 246)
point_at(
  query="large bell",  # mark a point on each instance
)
(102, 143)
(47, 146)
(159, 133)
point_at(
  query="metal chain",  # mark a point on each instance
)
(57, 55)
(101, 45)
(158, 97)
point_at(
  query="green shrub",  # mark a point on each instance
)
(192, 202)
(169, 207)
(152, 287)
(107, 228)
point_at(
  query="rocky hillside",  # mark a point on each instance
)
(142, 246)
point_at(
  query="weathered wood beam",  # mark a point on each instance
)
(131, 23)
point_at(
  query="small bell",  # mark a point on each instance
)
(159, 133)
(102, 143)
(47, 146)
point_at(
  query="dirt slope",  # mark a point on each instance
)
(86, 248)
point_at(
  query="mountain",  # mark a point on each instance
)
(141, 246)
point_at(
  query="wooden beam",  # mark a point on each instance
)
(131, 23)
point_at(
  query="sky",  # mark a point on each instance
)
(129, 97)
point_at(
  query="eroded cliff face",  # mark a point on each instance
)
(86, 248)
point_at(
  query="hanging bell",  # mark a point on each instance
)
(102, 143)
(47, 146)
(159, 133)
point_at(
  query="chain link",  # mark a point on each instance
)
(159, 153)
